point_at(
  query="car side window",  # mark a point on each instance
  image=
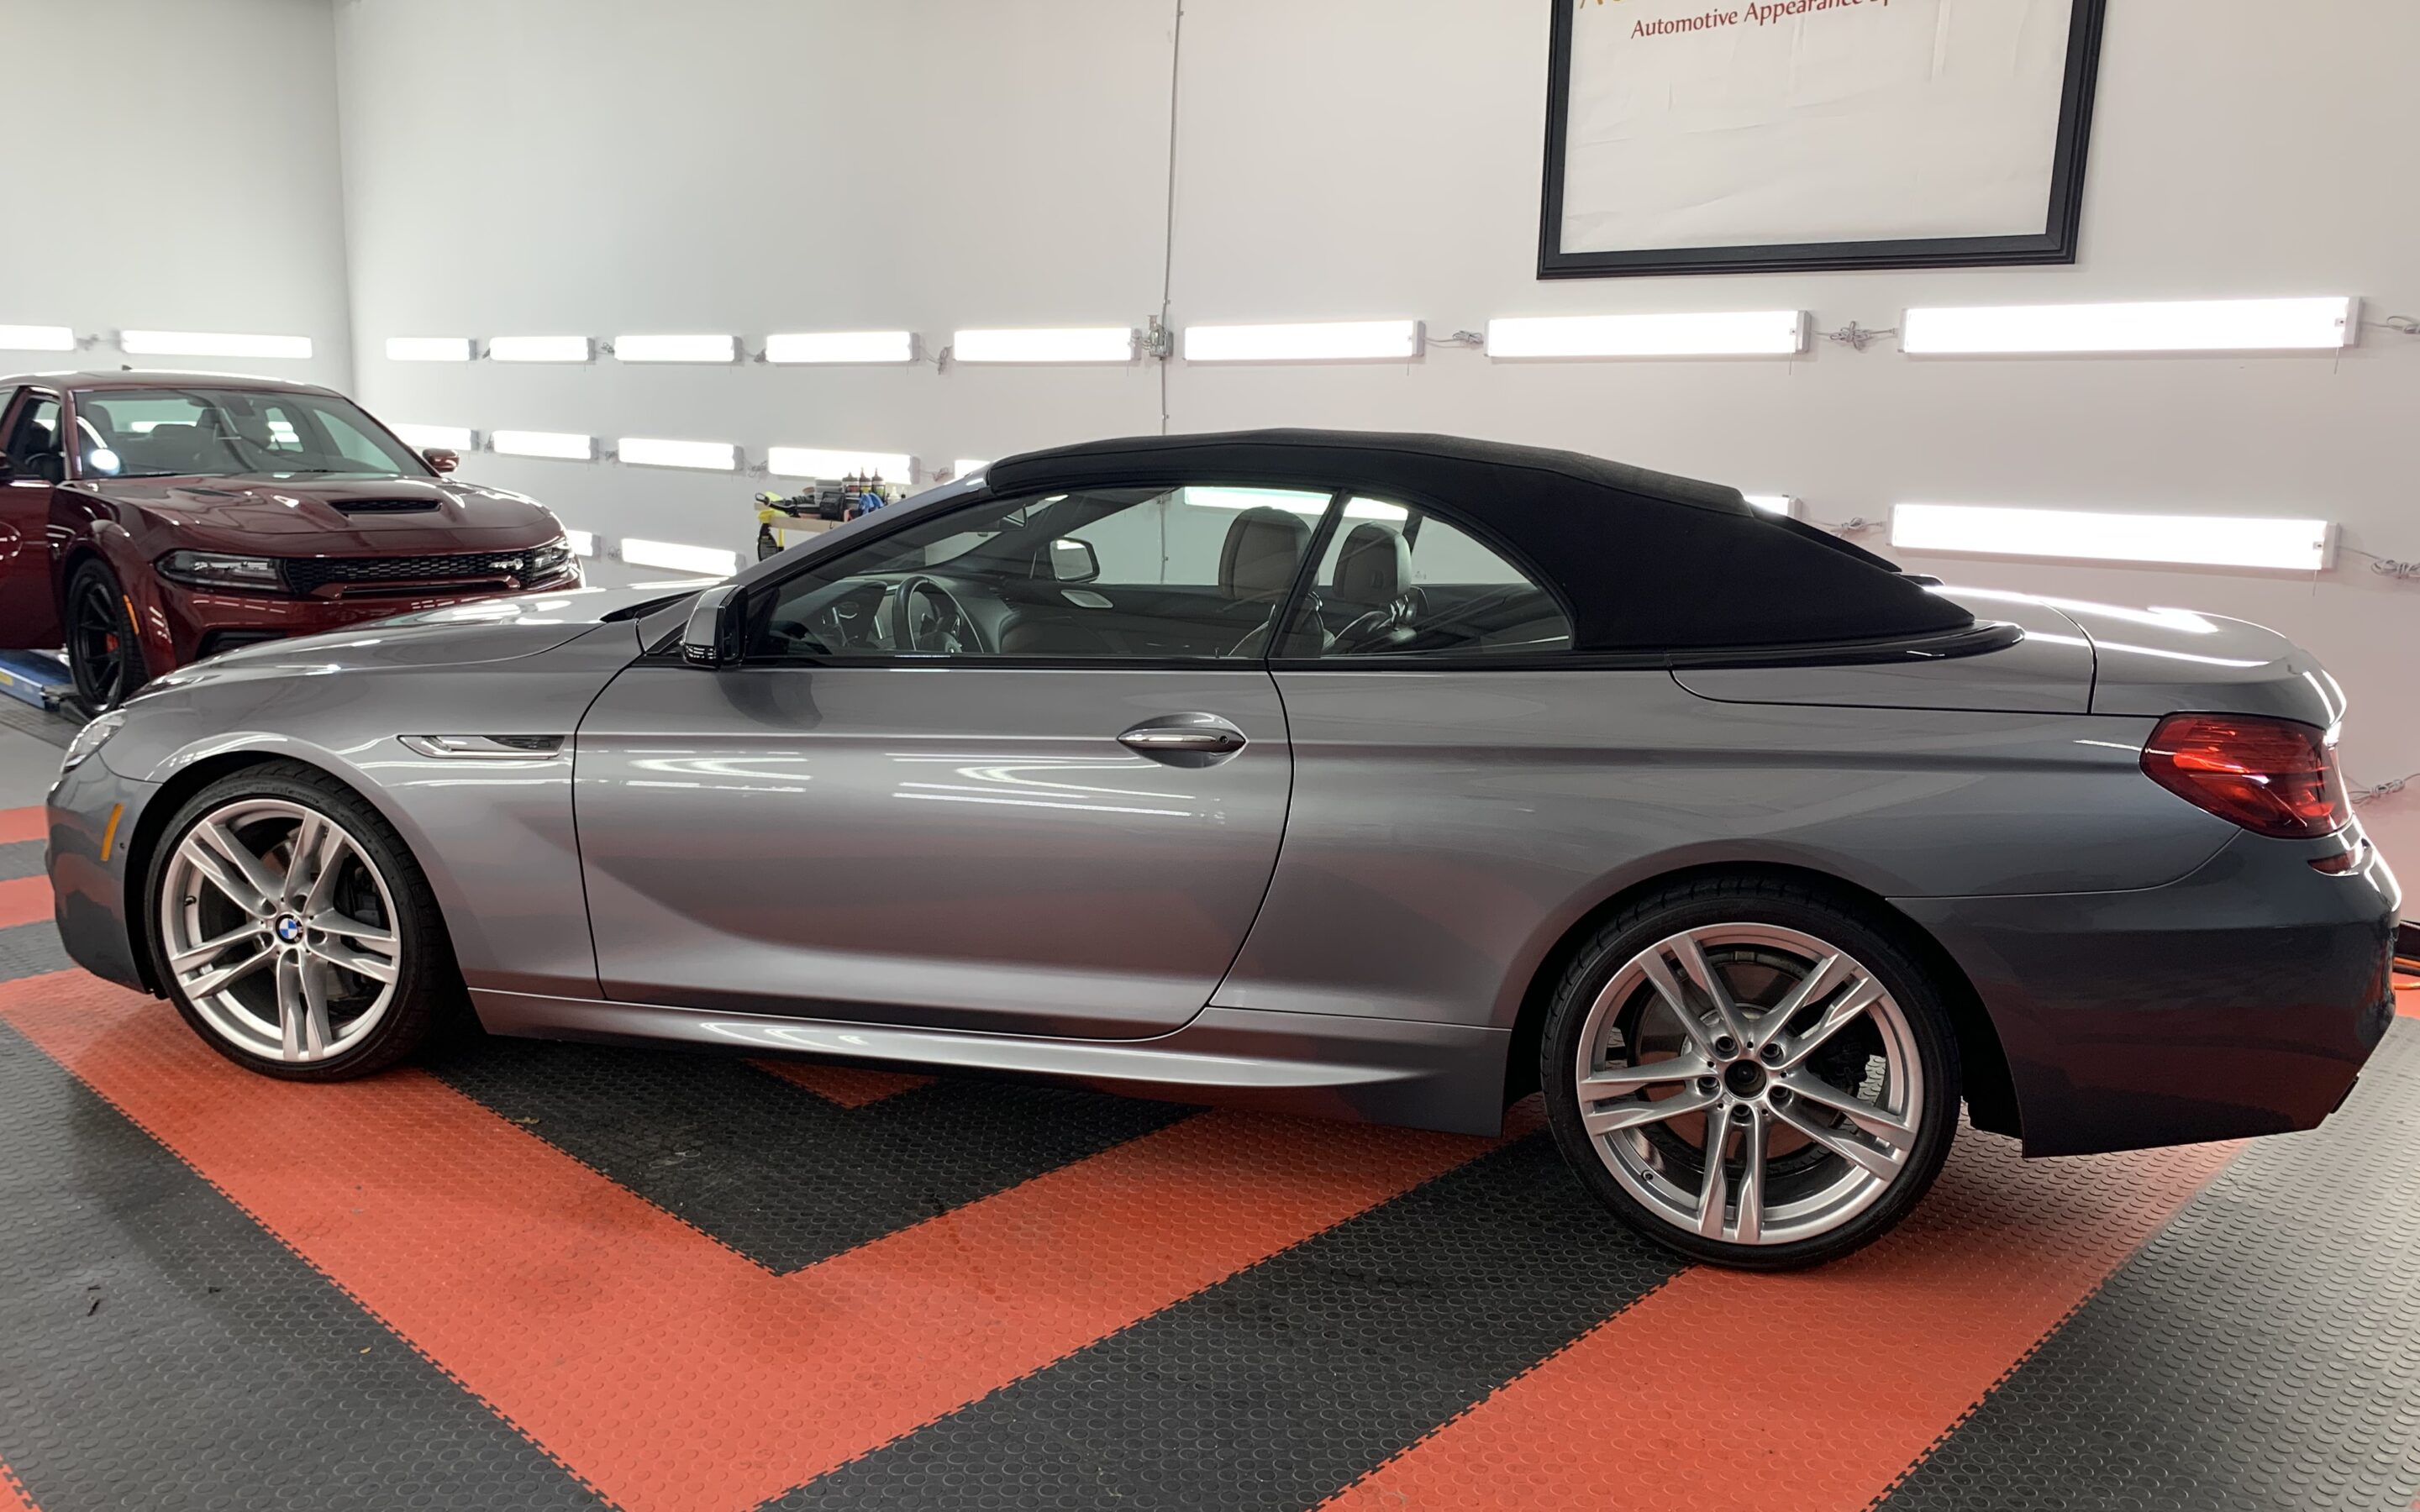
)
(1398, 581)
(1140, 574)
(34, 450)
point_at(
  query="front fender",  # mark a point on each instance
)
(495, 839)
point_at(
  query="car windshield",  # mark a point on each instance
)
(222, 433)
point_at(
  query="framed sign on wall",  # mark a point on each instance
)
(1705, 136)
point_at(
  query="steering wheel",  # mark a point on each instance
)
(1256, 640)
(952, 631)
(1371, 630)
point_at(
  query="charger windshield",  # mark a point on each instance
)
(227, 433)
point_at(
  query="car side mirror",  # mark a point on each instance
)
(1073, 561)
(442, 458)
(7, 467)
(711, 638)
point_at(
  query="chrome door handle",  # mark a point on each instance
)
(1211, 740)
(1184, 739)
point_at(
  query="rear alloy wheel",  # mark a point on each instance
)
(105, 655)
(293, 931)
(1752, 1077)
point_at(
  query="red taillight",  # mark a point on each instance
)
(2273, 777)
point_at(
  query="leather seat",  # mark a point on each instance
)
(1263, 550)
(1372, 569)
(177, 446)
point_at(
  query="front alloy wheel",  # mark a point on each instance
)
(293, 928)
(1754, 1091)
(105, 660)
(280, 931)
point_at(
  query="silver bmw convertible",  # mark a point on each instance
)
(1386, 777)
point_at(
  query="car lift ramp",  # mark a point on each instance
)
(36, 678)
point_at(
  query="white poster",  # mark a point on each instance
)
(1754, 126)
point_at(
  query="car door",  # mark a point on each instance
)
(36, 462)
(1017, 768)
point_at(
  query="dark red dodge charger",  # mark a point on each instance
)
(149, 519)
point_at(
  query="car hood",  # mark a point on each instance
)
(485, 629)
(334, 515)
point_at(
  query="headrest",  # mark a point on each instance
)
(1263, 550)
(173, 445)
(1373, 567)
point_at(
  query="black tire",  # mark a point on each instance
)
(1866, 935)
(104, 651)
(429, 992)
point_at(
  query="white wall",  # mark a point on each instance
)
(187, 178)
(603, 166)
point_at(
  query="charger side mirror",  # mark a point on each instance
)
(442, 458)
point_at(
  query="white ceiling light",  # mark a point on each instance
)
(37, 339)
(1330, 341)
(583, 543)
(673, 556)
(552, 443)
(1773, 503)
(808, 462)
(647, 452)
(2189, 540)
(2175, 326)
(676, 348)
(967, 465)
(1294, 500)
(842, 347)
(1073, 343)
(1724, 333)
(210, 343)
(539, 349)
(429, 349)
(452, 438)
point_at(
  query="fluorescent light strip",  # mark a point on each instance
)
(552, 443)
(706, 559)
(676, 348)
(1723, 334)
(583, 543)
(1292, 501)
(1773, 503)
(967, 465)
(808, 462)
(1333, 341)
(38, 338)
(452, 438)
(2185, 540)
(842, 347)
(429, 349)
(1081, 343)
(2177, 326)
(210, 343)
(647, 452)
(539, 349)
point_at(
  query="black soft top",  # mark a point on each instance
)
(1643, 559)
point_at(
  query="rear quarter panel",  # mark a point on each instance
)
(1447, 829)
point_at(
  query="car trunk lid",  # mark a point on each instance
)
(2074, 656)
(2045, 667)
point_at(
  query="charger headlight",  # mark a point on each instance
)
(224, 569)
